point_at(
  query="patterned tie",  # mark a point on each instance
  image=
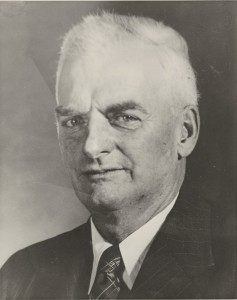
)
(108, 280)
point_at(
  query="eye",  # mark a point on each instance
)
(126, 118)
(74, 122)
(123, 120)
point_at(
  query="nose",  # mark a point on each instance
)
(98, 141)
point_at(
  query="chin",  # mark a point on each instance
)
(105, 199)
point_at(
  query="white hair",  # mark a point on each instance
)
(97, 32)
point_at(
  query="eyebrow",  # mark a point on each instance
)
(64, 111)
(113, 108)
(120, 107)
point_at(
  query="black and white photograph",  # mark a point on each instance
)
(118, 150)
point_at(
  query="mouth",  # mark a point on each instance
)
(102, 173)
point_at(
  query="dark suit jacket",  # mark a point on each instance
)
(179, 264)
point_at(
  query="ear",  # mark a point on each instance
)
(189, 130)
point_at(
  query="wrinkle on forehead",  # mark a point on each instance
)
(118, 75)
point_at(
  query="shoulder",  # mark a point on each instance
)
(51, 255)
(57, 246)
(197, 227)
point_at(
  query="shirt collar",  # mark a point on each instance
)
(133, 249)
(99, 245)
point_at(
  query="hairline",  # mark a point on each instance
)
(77, 55)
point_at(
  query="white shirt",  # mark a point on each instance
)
(133, 249)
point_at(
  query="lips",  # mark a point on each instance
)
(104, 174)
(92, 172)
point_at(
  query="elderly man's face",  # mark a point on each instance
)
(116, 131)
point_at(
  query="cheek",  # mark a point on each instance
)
(151, 149)
(165, 138)
(71, 148)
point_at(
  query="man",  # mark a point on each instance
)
(127, 118)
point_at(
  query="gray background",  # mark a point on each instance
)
(37, 200)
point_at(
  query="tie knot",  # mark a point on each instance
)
(110, 260)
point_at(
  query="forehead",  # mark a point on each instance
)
(125, 72)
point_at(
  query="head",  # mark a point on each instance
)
(127, 112)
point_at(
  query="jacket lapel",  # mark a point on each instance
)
(177, 263)
(81, 265)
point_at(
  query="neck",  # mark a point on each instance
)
(115, 226)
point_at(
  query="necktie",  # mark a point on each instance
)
(108, 280)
